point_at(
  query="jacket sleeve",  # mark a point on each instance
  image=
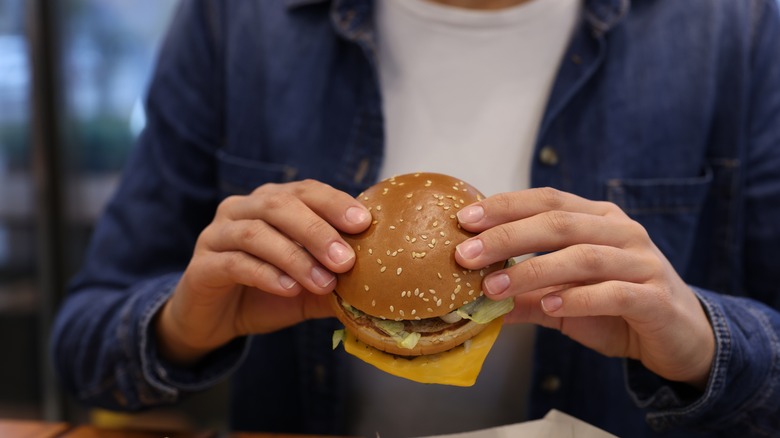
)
(102, 343)
(741, 396)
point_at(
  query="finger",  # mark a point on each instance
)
(511, 206)
(266, 244)
(291, 216)
(610, 298)
(576, 264)
(548, 231)
(337, 208)
(253, 272)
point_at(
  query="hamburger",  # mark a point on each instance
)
(407, 306)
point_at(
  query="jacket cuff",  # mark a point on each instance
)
(742, 365)
(174, 380)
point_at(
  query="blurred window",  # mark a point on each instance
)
(105, 53)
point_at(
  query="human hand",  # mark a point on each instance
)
(601, 280)
(265, 262)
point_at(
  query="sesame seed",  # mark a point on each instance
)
(408, 195)
(481, 272)
(465, 302)
(401, 312)
(398, 271)
(373, 303)
(419, 207)
(392, 309)
(394, 253)
(457, 280)
(424, 236)
(378, 208)
(427, 183)
(455, 274)
(392, 227)
(433, 241)
(384, 268)
(452, 216)
(435, 223)
(370, 251)
(365, 286)
(379, 261)
(452, 305)
(400, 250)
(438, 302)
(430, 245)
(417, 318)
(414, 311)
(374, 222)
(407, 238)
(432, 291)
(439, 275)
(471, 292)
(447, 242)
(430, 310)
(417, 291)
(457, 289)
(414, 239)
(455, 187)
(452, 297)
(387, 252)
(385, 190)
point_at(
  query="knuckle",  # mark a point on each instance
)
(534, 270)
(590, 258)
(559, 222)
(319, 229)
(278, 200)
(228, 204)
(306, 185)
(550, 198)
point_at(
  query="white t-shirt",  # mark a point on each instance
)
(472, 86)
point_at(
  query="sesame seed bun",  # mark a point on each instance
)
(405, 268)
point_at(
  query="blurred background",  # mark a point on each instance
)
(72, 79)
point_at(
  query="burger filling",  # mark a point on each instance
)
(407, 333)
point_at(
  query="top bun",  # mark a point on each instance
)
(405, 266)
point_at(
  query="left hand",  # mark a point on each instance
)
(601, 281)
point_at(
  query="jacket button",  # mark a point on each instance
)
(551, 383)
(548, 156)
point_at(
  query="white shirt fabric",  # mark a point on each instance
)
(463, 93)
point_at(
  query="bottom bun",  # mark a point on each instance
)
(436, 336)
(459, 366)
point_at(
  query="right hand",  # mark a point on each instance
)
(266, 262)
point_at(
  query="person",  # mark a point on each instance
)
(634, 147)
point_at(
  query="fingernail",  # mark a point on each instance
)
(339, 253)
(470, 248)
(470, 215)
(321, 277)
(287, 282)
(357, 215)
(551, 303)
(496, 284)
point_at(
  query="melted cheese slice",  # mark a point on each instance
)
(456, 367)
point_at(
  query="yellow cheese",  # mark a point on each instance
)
(456, 367)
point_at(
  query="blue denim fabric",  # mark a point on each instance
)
(670, 109)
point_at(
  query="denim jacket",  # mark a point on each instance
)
(668, 108)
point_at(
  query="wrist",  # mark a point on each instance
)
(172, 342)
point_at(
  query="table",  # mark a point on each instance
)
(39, 429)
